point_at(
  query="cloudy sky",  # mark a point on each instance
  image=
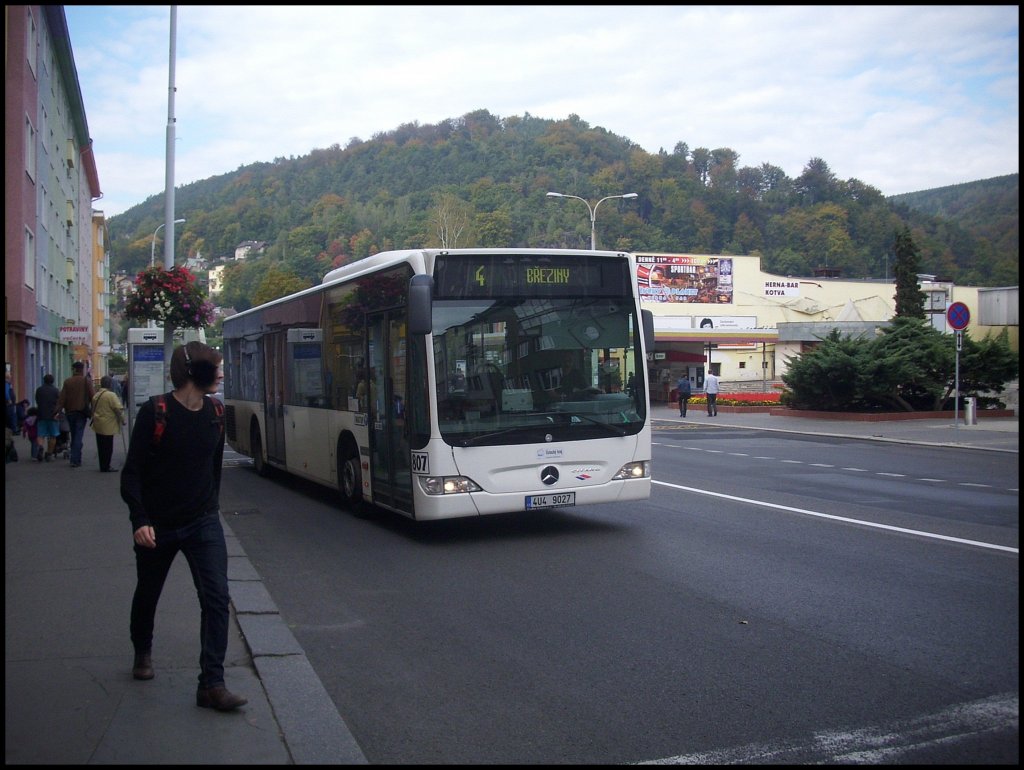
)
(903, 98)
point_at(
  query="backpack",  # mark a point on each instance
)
(160, 413)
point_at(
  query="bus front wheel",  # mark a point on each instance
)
(258, 461)
(350, 479)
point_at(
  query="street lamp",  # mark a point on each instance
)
(591, 209)
(152, 248)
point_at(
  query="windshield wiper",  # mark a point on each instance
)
(473, 440)
(613, 428)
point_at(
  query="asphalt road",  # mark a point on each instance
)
(760, 607)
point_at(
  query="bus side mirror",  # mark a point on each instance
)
(648, 322)
(421, 287)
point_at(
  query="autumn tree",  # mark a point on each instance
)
(278, 282)
(448, 219)
(240, 282)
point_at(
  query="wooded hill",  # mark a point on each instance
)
(481, 180)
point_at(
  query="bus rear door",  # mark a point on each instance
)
(276, 360)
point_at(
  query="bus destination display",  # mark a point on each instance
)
(528, 275)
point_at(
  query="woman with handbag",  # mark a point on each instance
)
(107, 419)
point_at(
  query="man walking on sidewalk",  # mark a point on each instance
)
(171, 483)
(683, 393)
(75, 399)
(711, 391)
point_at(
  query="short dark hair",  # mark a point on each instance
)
(48, 379)
(195, 362)
(78, 365)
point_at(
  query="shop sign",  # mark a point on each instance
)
(74, 334)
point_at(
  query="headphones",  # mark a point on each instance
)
(202, 373)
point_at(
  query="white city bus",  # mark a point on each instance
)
(445, 383)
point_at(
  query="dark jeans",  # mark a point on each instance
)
(105, 449)
(712, 404)
(77, 421)
(683, 401)
(202, 542)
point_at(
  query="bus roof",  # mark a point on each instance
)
(420, 259)
(388, 257)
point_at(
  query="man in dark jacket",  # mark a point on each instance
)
(683, 393)
(75, 397)
(171, 483)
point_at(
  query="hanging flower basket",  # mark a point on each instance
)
(169, 297)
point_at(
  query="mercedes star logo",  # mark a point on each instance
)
(549, 475)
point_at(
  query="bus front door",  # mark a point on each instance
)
(390, 470)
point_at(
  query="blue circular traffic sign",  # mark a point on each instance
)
(958, 315)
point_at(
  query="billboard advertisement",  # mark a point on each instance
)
(688, 278)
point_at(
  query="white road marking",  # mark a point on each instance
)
(825, 465)
(833, 517)
(872, 745)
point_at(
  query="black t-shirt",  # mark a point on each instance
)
(46, 401)
(177, 480)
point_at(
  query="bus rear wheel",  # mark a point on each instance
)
(350, 480)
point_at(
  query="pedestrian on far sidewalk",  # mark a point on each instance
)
(30, 431)
(683, 393)
(711, 391)
(48, 424)
(107, 419)
(75, 399)
(11, 404)
(171, 483)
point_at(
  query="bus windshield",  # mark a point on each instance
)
(526, 369)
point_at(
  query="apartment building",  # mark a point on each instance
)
(55, 266)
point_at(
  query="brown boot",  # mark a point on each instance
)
(143, 666)
(218, 697)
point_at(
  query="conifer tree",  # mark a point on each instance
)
(909, 297)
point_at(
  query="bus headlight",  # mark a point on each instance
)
(640, 470)
(447, 485)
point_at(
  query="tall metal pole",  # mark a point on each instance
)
(593, 225)
(592, 210)
(956, 382)
(169, 192)
(152, 246)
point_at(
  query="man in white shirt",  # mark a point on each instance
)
(711, 391)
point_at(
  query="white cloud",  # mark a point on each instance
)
(901, 97)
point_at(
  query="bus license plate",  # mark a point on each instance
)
(560, 500)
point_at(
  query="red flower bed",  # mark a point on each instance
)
(744, 398)
(741, 399)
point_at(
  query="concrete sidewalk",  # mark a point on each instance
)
(70, 574)
(1000, 434)
(69, 694)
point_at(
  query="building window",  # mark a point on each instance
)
(30, 149)
(30, 259)
(30, 42)
(45, 284)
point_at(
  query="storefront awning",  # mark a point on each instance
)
(718, 336)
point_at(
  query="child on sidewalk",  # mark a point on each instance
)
(30, 431)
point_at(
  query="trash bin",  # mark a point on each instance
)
(970, 411)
